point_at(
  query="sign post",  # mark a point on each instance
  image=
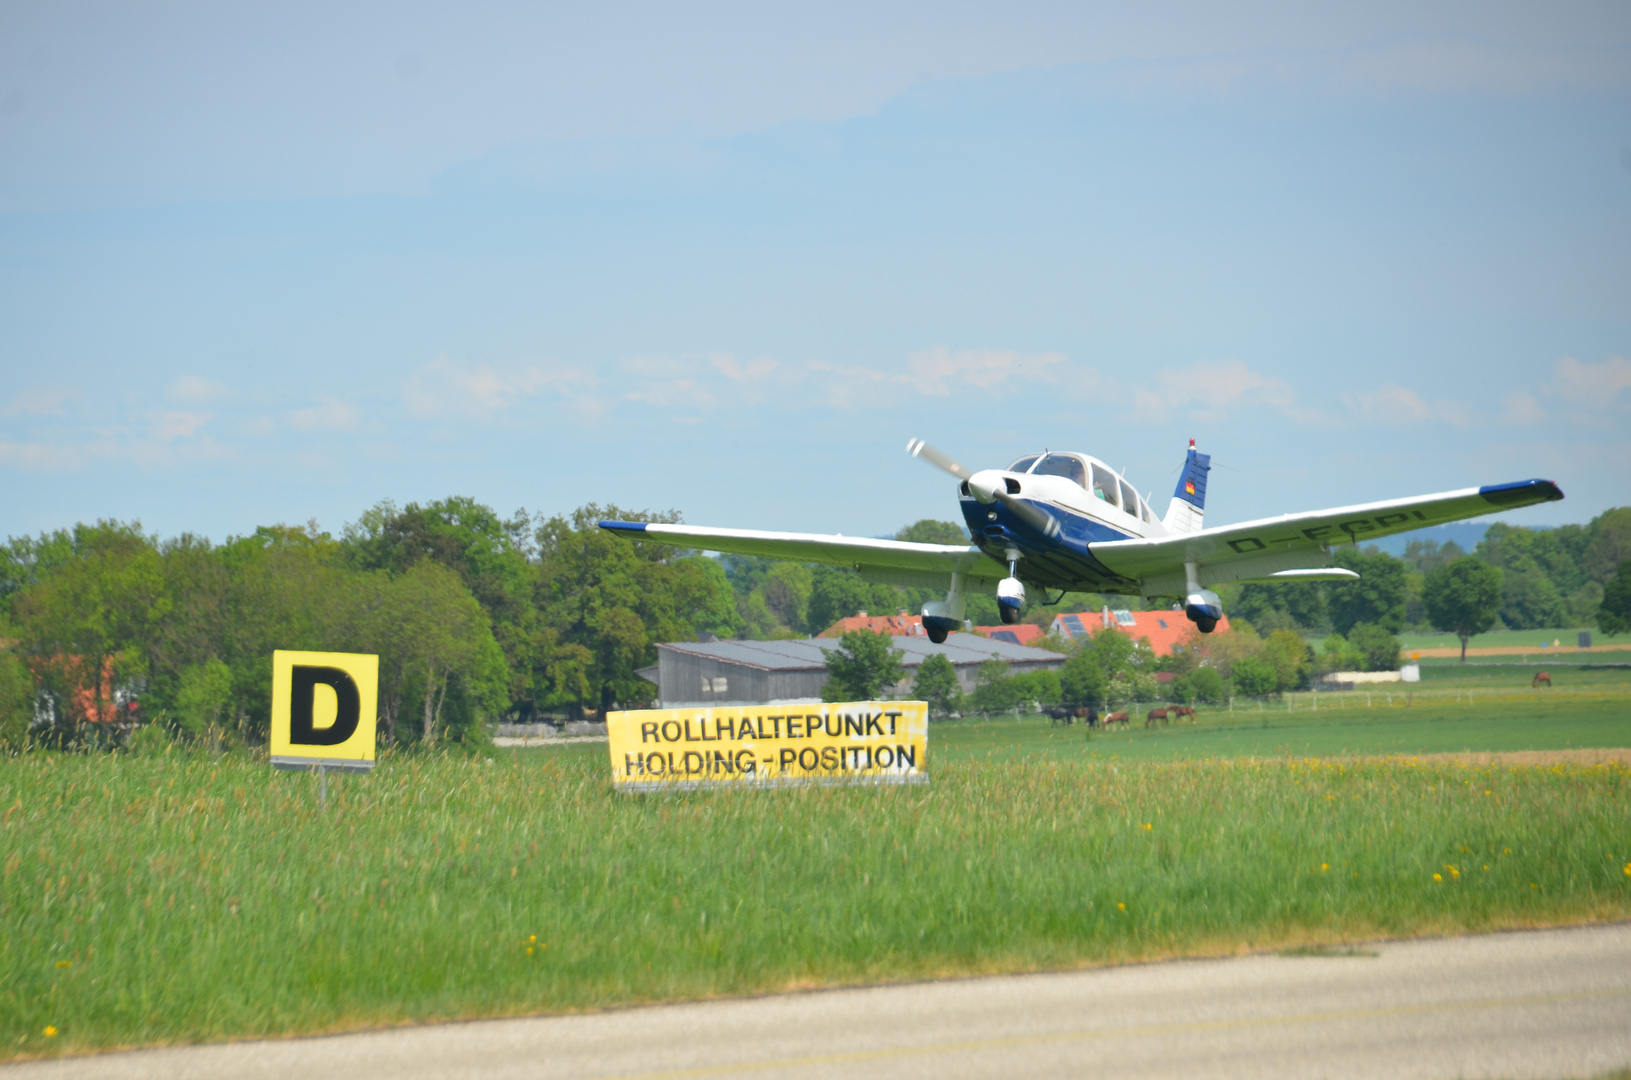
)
(324, 710)
(858, 742)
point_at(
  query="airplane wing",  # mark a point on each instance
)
(884, 562)
(1298, 546)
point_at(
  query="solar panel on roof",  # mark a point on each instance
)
(1124, 617)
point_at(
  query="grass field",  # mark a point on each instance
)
(149, 900)
(1591, 709)
(1505, 639)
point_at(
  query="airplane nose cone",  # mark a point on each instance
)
(985, 484)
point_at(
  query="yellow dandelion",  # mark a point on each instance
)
(1148, 825)
(1438, 877)
(1506, 851)
(533, 940)
(64, 964)
(1628, 869)
(1120, 906)
(50, 1031)
(1486, 867)
(529, 950)
(1324, 866)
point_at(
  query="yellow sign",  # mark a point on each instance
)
(855, 742)
(324, 706)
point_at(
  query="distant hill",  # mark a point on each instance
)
(1465, 533)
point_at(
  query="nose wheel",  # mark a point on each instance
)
(1010, 592)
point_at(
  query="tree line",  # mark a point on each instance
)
(474, 617)
(478, 618)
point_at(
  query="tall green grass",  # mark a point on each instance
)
(177, 898)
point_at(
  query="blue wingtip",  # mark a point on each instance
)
(1521, 493)
(624, 526)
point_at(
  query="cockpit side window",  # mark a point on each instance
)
(1144, 510)
(1024, 464)
(1104, 484)
(1062, 465)
(1129, 498)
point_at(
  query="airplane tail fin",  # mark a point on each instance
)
(1189, 499)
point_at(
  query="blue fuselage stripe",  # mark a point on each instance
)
(1059, 562)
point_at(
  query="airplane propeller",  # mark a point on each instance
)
(987, 486)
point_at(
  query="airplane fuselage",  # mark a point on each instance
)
(1090, 505)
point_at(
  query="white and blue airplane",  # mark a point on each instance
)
(1068, 521)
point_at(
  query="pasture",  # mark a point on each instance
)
(1460, 712)
(182, 897)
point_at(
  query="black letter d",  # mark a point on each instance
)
(302, 695)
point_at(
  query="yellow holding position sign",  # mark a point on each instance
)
(324, 707)
(867, 742)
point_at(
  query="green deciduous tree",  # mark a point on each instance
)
(85, 624)
(203, 696)
(1614, 615)
(1529, 600)
(1380, 595)
(16, 702)
(936, 683)
(1254, 677)
(1379, 647)
(1288, 654)
(1296, 604)
(863, 667)
(995, 691)
(615, 599)
(1462, 598)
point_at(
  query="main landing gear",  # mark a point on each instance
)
(1202, 606)
(941, 617)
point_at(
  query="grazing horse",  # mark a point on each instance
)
(1154, 715)
(1087, 714)
(1541, 677)
(1061, 714)
(1116, 718)
(1182, 710)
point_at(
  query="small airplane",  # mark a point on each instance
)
(1067, 521)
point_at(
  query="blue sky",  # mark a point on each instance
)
(265, 266)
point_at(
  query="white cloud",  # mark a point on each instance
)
(942, 372)
(686, 393)
(750, 372)
(167, 426)
(1209, 387)
(328, 414)
(40, 456)
(1596, 386)
(1396, 405)
(931, 370)
(192, 388)
(445, 387)
(1522, 407)
(43, 401)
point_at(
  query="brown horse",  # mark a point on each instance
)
(1182, 710)
(1153, 715)
(1543, 677)
(1116, 718)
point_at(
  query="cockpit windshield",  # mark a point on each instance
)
(1066, 465)
(1024, 464)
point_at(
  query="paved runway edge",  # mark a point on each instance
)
(1551, 1002)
